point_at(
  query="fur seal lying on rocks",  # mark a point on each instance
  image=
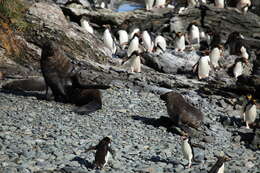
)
(180, 111)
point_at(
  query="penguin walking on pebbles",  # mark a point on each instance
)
(160, 44)
(133, 62)
(85, 24)
(202, 67)
(250, 111)
(109, 41)
(187, 149)
(179, 41)
(219, 165)
(149, 4)
(103, 152)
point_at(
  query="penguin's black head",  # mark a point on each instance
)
(105, 141)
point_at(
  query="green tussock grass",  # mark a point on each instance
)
(12, 12)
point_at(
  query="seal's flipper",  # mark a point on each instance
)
(88, 108)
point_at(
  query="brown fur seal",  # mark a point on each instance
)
(180, 111)
(61, 76)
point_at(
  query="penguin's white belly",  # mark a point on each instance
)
(160, 2)
(187, 151)
(134, 46)
(250, 114)
(238, 69)
(149, 4)
(108, 41)
(180, 43)
(203, 69)
(195, 35)
(87, 27)
(214, 57)
(221, 169)
(134, 64)
(219, 3)
(107, 157)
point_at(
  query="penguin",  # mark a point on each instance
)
(133, 62)
(193, 33)
(234, 43)
(123, 38)
(84, 24)
(244, 53)
(219, 165)
(187, 149)
(103, 153)
(179, 42)
(147, 41)
(109, 41)
(215, 55)
(133, 46)
(134, 32)
(202, 67)
(160, 44)
(250, 111)
(191, 3)
(160, 3)
(149, 4)
(243, 5)
(238, 67)
(219, 3)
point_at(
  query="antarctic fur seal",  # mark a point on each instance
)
(180, 111)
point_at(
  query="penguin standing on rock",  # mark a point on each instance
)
(215, 55)
(147, 41)
(193, 33)
(234, 43)
(109, 41)
(250, 111)
(202, 67)
(160, 44)
(238, 67)
(85, 24)
(123, 38)
(243, 5)
(149, 4)
(219, 165)
(187, 149)
(134, 45)
(219, 3)
(160, 3)
(103, 152)
(179, 41)
(133, 62)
